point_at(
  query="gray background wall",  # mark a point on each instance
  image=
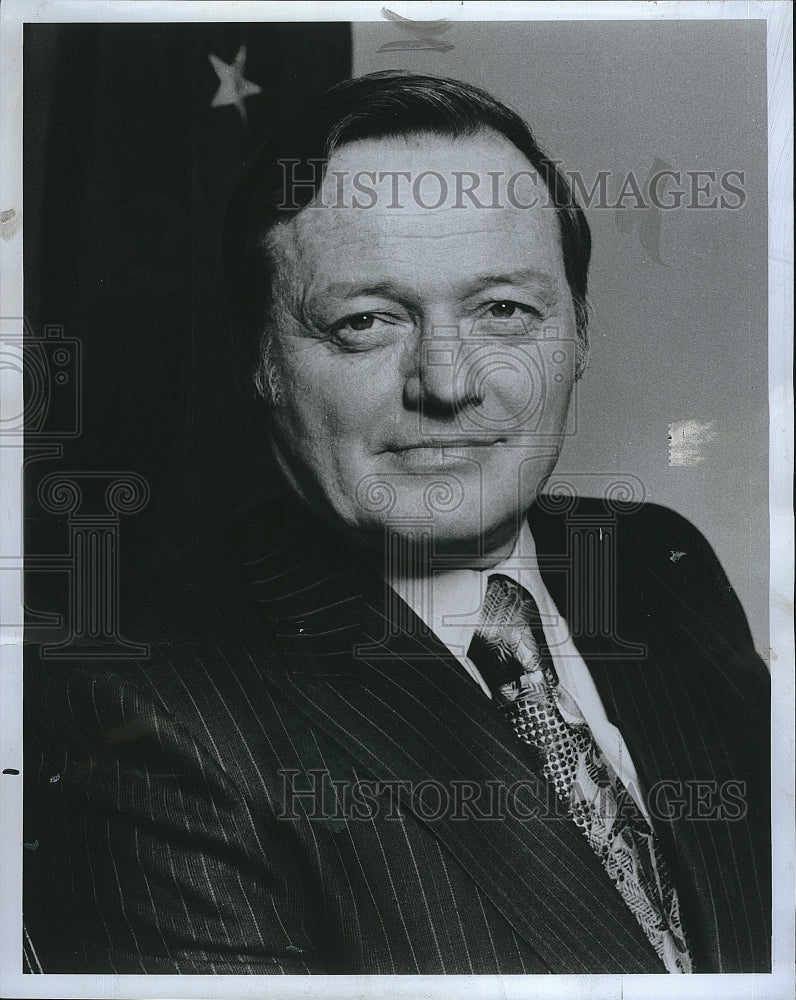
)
(679, 330)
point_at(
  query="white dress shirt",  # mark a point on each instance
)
(451, 608)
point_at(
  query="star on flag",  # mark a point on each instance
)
(234, 88)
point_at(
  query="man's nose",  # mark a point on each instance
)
(438, 380)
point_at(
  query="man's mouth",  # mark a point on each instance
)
(440, 453)
(437, 443)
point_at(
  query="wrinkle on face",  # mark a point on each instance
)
(427, 273)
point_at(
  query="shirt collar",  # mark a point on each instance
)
(449, 600)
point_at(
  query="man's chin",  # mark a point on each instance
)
(457, 538)
(437, 517)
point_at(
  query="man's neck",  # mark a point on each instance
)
(417, 563)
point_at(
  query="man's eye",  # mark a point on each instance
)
(364, 329)
(359, 322)
(506, 309)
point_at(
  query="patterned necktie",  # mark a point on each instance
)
(511, 653)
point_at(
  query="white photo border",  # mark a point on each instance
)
(780, 983)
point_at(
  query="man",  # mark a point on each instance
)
(415, 717)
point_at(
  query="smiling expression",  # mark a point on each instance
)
(425, 356)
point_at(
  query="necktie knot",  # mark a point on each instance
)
(509, 647)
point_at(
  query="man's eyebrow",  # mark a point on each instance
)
(354, 289)
(526, 276)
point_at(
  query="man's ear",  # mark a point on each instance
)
(582, 333)
(267, 377)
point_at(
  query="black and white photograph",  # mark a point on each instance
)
(396, 467)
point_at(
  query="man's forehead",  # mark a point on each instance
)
(443, 246)
(443, 225)
(425, 187)
(426, 172)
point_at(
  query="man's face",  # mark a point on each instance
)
(425, 356)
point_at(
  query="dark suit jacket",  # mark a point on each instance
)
(166, 799)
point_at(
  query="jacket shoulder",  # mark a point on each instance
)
(660, 563)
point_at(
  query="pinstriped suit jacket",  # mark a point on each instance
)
(191, 811)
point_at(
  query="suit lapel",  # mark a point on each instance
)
(403, 708)
(663, 703)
